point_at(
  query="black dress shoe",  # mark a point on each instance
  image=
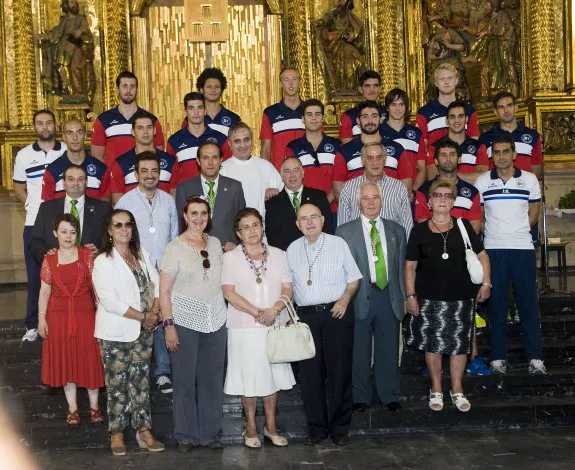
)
(312, 441)
(341, 440)
(214, 445)
(394, 406)
(185, 447)
(359, 407)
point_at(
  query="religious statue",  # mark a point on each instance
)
(495, 48)
(68, 55)
(340, 34)
(480, 38)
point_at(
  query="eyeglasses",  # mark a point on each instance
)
(206, 262)
(119, 225)
(442, 196)
(249, 228)
(312, 218)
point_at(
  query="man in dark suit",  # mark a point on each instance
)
(378, 248)
(89, 211)
(281, 210)
(224, 195)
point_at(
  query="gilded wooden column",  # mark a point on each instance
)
(569, 39)
(141, 59)
(388, 43)
(24, 61)
(542, 40)
(298, 46)
(116, 45)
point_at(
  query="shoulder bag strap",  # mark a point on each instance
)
(464, 234)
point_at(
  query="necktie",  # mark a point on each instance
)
(211, 194)
(296, 202)
(74, 212)
(380, 271)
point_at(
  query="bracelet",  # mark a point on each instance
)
(168, 322)
(488, 284)
(259, 315)
(414, 295)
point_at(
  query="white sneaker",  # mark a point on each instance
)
(31, 335)
(499, 366)
(536, 367)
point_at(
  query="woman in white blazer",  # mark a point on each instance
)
(127, 288)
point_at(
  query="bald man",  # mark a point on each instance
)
(98, 176)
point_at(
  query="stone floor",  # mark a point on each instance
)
(549, 450)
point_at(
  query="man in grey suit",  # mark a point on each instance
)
(378, 247)
(224, 195)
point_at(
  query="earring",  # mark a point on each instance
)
(110, 237)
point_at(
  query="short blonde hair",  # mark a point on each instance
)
(445, 66)
(438, 184)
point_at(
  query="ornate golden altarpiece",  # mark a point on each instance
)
(152, 38)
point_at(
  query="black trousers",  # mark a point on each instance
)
(326, 378)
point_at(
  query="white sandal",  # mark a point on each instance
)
(460, 402)
(435, 401)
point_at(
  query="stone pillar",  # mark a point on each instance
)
(116, 45)
(542, 41)
(24, 61)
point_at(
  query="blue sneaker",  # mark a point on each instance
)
(478, 366)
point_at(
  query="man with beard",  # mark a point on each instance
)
(397, 163)
(29, 167)
(98, 177)
(112, 132)
(281, 122)
(157, 221)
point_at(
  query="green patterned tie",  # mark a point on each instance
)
(74, 212)
(296, 202)
(211, 194)
(380, 271)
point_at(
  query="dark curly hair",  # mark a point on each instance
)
(211, 72)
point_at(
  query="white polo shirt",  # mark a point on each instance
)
(29, 166)
(506, 208)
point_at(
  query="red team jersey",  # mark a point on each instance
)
(411, 139)
(433, 125)
(281, 125)
(472, 155)
(113, 131)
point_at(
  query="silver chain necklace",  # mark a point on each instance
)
(445, 255)
(147, 204)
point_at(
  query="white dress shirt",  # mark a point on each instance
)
(206, 186)
(80, 206)
(365, 222)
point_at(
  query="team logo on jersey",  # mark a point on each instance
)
(226, 121)
(163, 163)
(184, 145)
(357, 153)
(433, 116)
(390, 151)
(132, 168)
(471, 149)
(328, 148)
(411, 134)
(526, 138)
(279, 116)
(91, 169)
(520, 183)
(212, 140)
(465, 192)
(301, 152)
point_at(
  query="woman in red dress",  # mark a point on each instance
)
(70, 353)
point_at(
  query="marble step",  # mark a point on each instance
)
(487, 413)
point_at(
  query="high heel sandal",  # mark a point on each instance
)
(251, 442)
(156, 446)
(275, 439)
(95, 416)
(73, 418)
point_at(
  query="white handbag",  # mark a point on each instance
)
(473, 264)
(289, 343)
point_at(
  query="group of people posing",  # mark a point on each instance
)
(191, 253)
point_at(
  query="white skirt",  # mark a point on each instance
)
(249, 373)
